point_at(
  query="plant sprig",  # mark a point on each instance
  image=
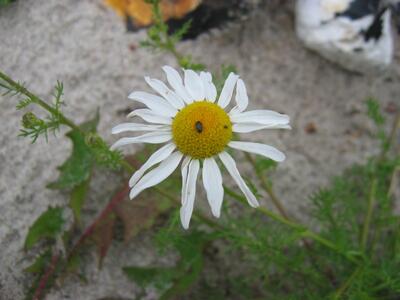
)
(159, 38)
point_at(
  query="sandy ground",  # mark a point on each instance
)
(85, 45)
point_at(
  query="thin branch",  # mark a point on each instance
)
(305, 232)
(343, 288)
(119, 197)
(275, 200)
(22, 90)
(392, 137)
(368, 216)
(46, 277)
(393, 181)
(281, 208)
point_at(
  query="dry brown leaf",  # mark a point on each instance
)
(139, 214)
(141, 12)
(135, 216)
(103, 235)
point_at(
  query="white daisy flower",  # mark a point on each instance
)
(196, 130)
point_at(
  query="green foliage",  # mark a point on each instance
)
(24, 103)
(341, 211)
(5, 2)
(159, 39)
(284, 266)
(252, 187)
(77, 168)
(178, 35)
(145, 276)
(40, 263)
(76, 171)
(268, 253)
(77, 199)
(186, 62)
(33, 126)
(45, 269)
(265, 165)
(157, 35)
(374, 111)
(102, 154)
(13, 90)
(47, 226)
(219, 79)
(173, 281)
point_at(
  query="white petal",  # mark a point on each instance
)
(242, 100)
(261, 149)
(150, 116)
(212, 181)
(190, 193)
(227, 90)
(194, 85)
(159, 86)
(266, 117)
(230, 165)
(175, 81)
(138, 127)
(184, 172)
(209, 87)
(151, 138)
(157, 175)
(157, 157)
(250, 127)
(155, 103)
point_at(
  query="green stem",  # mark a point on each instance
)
(347, 283)
(385, 150)
(21, 89)
(392, 184)
(280, 207)
(267, 187)
(305, 232)
(170, 46)
(392, 136)
(166, 42)
(368, 216)
(393, 181)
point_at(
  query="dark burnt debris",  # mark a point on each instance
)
(208, 15)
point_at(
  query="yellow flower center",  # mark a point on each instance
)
(201, 129)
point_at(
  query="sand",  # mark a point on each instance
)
(86, 46)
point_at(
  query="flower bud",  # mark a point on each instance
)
(93, 140)
(29, 120)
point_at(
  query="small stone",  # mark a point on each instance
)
(310, 128)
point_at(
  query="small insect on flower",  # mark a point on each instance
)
(196, 130)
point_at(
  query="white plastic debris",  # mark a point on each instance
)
(356, 34)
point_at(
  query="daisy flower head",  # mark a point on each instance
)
(196, 128)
